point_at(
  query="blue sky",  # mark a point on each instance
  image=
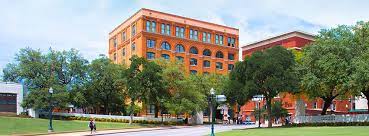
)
(85, 24)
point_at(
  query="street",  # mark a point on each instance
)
(183, 131)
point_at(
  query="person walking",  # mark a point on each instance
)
(91, 125)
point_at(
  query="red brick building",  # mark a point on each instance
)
(294, 104)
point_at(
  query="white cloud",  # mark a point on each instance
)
(85, 25)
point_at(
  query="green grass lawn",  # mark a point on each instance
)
(15, 125)
(301, 131)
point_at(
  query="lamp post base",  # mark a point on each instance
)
(50, 131)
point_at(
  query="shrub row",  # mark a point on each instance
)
(330, 124)
(123, 120)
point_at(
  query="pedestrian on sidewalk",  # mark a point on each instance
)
(91, 125)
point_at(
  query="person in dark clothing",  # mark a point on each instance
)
(91, 125)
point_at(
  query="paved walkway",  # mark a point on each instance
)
(161, 131)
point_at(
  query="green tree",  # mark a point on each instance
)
(185, 97)
(326, 65)
(60, 70)
(278, 111)
(144, 83)
(360, 75)
(267, 73)
(234, 88)
(154, 85)
(105, 86)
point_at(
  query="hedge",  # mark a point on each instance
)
(329, 124)
(116, 120)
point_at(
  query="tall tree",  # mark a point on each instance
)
(360, 75)
(154, 85)
(145, 83)
(234, 89)
(105, 86)
(268, 73)
(60, 70)
(326, 65)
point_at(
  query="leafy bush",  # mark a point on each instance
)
(330, 124)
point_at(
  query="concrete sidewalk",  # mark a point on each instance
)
(105, 132)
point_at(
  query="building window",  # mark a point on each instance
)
(150, 55)
(150, 109)
(180, 48)
(165, 29)
(209, 38)
(193, 62)
(193, 50)
(150, 43)
(115, 43)
(133, 47)
(124, 52)
(194, 72)
(206, 52)
(216, 39)
(219, 54)
(133, 29)
(206, 37)
(115, 56)
(124, 37)
(165, 46)
(151, 26)
(221, 39)
(206, 64)
(231, 56)
(165, 56)
(193, 34)
(180, 31)
(219, 66)
(230, 67)
(315, 105)
(231, 41)
(179, 58)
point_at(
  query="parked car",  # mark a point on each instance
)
(248, 122)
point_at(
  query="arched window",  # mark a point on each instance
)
(219, 54)
(150, 55)
(165, 56)
(206, 52)
(180, 48)
(206, 63)
(193, 62)
(165, 46)
(193, 50)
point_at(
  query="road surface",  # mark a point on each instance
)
(183, 131)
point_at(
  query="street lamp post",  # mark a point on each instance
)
(212, 93)
(258, 99)
(51, 91)
(259, 112)
(214, 98)
(161, 111)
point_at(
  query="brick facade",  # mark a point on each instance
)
(140, 39)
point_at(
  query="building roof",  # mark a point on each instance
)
(177, 19)
(280, 37)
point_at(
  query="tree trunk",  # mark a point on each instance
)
(156, 110)
(327, 103)
(269, 111)
(131, 111)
